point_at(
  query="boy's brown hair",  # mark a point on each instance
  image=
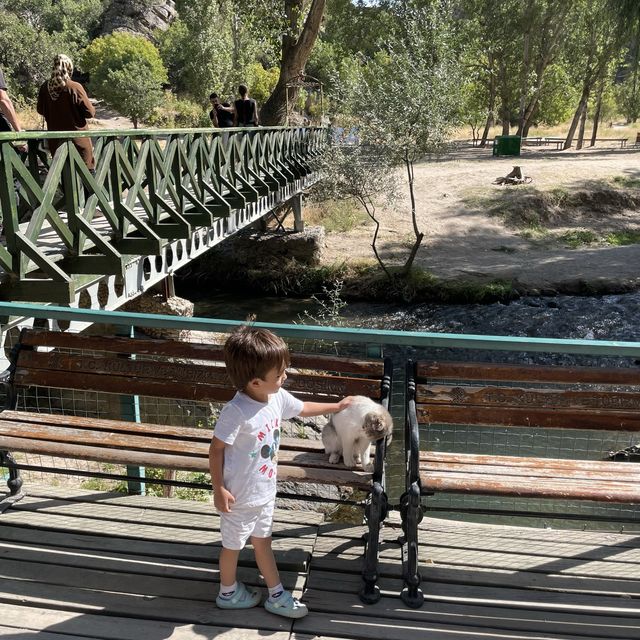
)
(250, 353)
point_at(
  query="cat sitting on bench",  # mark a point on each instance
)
(350, 432)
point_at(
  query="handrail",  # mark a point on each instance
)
(13, 136)
(353, 335)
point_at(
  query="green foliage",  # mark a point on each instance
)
(620, 238)
(261, 81)
(174, 112)
(127, 72)
(578, 238)
(338, 216)
(628, 98)
(558, 97)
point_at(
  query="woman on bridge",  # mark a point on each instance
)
(66, 107)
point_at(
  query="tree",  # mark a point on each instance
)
(405, 99)
(126, 71)
(298, 39)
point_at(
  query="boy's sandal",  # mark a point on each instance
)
(243, 598)
(286, 605)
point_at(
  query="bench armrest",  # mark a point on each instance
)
(412, 432)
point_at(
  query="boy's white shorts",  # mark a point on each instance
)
(241, 523)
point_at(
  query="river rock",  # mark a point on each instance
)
(156, 303)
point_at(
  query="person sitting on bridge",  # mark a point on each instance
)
(66, 107)
(243, 460)
(221, 114)
(246, 109)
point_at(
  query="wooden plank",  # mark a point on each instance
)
(373, 627)
(158, 608)
(108, 627)
(517, 417)
(204, 588)
(534, 468)
(450, 460)
(17, 633)
(532, 487)
(193, 522)
(189, 350)
(172, 507)
(147, 443)
(504, 397)
(489, 371)
(306, 386)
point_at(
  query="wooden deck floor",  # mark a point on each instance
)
(80, 565)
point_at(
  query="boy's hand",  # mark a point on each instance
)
(222, 499)
(345, 402)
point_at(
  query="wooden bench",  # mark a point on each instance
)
(480, 395)
(622, 141)
(182, 371)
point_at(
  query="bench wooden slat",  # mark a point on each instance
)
(189, 351)
(428, 458)
(286, 471)
(515, 417)
(168, 431)
(162, 379)
(526, 397)
(500, 485)
(533, 467)
(149, 444)
(488, 371)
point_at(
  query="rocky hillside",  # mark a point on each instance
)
(138, 16)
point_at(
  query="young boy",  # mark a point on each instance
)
(243, 462)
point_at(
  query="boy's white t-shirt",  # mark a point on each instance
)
(253, 429)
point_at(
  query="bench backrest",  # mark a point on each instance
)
(512, 395)
(178, 370)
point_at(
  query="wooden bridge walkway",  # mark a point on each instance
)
(79, 564)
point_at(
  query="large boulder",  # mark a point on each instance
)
(140, 17)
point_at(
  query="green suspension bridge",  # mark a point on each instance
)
(158, 199)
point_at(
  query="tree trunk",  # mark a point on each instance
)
(529, 119)
(526, 63)
(418, 234)
(296, 48)
(583, 122)
(596, 116)
(576, 116)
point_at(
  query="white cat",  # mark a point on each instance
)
(350, 432)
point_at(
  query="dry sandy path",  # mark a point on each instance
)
(462, 241)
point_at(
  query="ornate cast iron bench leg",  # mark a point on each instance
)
(412, 513)
(376, 513)
(14, 482)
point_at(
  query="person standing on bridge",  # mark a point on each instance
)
(221, 114)
(8, 116)
(66, 107)
(246, 109)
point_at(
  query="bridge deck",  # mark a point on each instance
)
(78, 564)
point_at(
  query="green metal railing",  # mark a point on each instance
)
(62, 222)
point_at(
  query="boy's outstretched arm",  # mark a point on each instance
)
(311, 409)
(222, 499)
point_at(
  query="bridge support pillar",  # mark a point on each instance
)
(298, 222)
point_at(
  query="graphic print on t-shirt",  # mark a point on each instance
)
(268, 444)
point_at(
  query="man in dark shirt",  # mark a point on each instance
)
(221, 114)
(246, 109)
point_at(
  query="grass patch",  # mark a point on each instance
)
(578, 238)
(625, 181)
(336, 216)
(621, 238)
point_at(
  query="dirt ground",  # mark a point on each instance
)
(464, 240)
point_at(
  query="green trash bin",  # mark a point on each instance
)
(506, 145)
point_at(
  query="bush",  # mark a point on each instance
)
(126, 71)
